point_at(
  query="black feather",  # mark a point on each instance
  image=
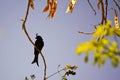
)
(39, 44)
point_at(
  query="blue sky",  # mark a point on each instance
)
(60, 38)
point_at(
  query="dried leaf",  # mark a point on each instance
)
(46, 8)
(48, 1)
(53, 7)
(71, 6)
(68, 66)
(98, 5)
(31, 4)
(75, 67)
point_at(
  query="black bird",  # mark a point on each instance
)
(39, 44)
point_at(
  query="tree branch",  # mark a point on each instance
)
(106, 10)
(117, 4)
(24, 28)
(55, 73)
(87, 33)
(91, 7)
(118, 0)
(103, 13)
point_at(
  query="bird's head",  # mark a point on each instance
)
(38, 37)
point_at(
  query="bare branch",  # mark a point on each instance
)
(103, 13)
(24, 28)
(117, 4)
(55, 73)
(106, 9)
(115, 12)
(91, 7)
(118, 0)
(87, 33)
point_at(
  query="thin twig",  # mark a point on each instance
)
(91, 7)
(118, 0)
(115, 12)
(106, 10)
(55, 73)
(24, 28)
(117, 4)
(87, 33)
(103, 13)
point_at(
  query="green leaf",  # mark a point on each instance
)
(95, 60)
(115, 61)
(86, 59)
(64, 78)
(26, 78)
(104, 58)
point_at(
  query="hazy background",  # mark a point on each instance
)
(60, 38)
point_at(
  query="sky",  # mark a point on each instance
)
(60, 38)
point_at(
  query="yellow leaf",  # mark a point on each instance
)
(84, 47)
(31, 4)
(71, 6)
(105, 41)
(80, 49)
(117, 32)
(115, 61)
(67, 66)
(99, 31)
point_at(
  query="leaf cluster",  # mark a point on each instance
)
(51, 7)
(69, 70)
(32, 77)
(102, 47)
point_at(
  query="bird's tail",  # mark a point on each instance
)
(35, 60)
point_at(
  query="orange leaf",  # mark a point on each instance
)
(71, 6)
(46, 8)
(53, 7)
(31, 4)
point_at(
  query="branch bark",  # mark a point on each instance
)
(26, 33)
(55, 73)
(106, 9)
(91, 7)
